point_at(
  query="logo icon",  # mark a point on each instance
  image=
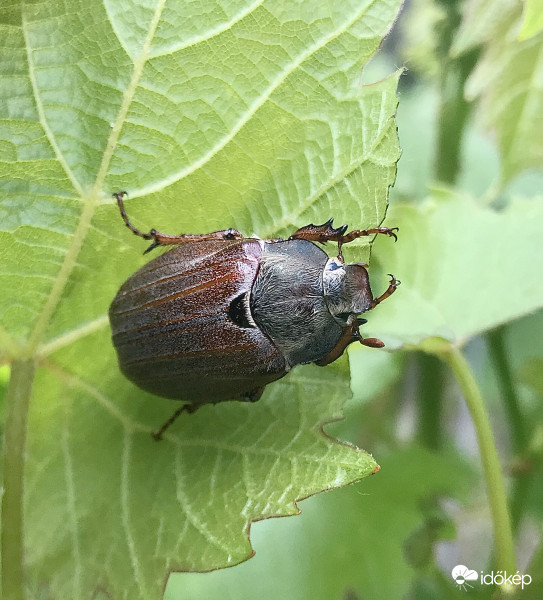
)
(462, 575)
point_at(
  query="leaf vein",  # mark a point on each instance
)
(72, 513)
(125, 514)
(128, 96)
(211, 33)
(40, 109)
(191, 515)
(253, 108)
(72, 336)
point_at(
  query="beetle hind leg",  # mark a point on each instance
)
(164, 239)
(188, 408)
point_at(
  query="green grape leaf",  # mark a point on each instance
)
(226, 114)
(348, 541)
(464, 269)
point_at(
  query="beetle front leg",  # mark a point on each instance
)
(349, 335)
(326, 233)
(356, 233)
(320, 233)
(164, 239)
(393, 285)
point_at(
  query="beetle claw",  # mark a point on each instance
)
(392, 286)
(151, 247)
(390, 232)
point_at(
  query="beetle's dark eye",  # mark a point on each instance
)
(239, 311)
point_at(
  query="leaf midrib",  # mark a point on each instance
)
(92, 199)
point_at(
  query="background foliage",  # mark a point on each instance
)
(261, 116)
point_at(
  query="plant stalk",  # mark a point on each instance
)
(503, 534)
(14, 445)
(453, 111)
(498, 355)
(504, 377)
(431, 383)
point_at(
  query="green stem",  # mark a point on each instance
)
(503, 534)
(453, 109)
(431, 379)
(17, 400)
(523, 481)
(453, 115)
(498, 355)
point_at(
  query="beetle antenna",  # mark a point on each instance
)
(369, 342)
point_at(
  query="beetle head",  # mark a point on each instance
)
(346, 290)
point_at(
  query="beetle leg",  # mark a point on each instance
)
(326, 233)
(394, 283)
(356, 233)
(164, 239)
(189, 408)
(350, 334)
(320, 233)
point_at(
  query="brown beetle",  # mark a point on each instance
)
(220, 316)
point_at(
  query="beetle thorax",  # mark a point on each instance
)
(346, 290)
